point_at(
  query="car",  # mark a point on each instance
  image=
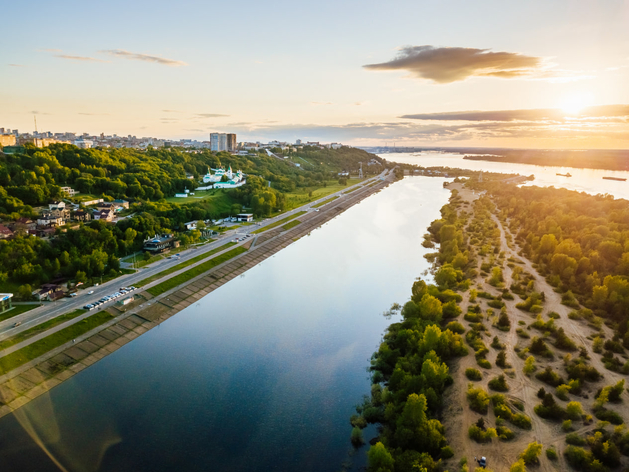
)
(95, 285)
(90, 292)
(73, 295)
(87, 307)
(15, 325)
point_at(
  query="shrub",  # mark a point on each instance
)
(496, 344)
(522, 333)
(552, 454)
(531, 453)
(472, 317)
(358, 421)
(447, 452)
(538, 346)
(563, 342)
(578, 369)
(549, 409)
(608, 415)
(357, 437)
(566, 425)
(499, 384)
(478, 399)
(541, 393)
(529, 365)
(484, 363)
(501, 360)
(562, 392)
(455, 327)
(550, 377)
(504, 433)
(473, 374)
(480, 436)
(574, 439)
(521, 421)
(574, 410)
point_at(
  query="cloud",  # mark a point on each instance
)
(16, 65)
(316, 104)
(143, 57)
(171, 111)
(450, 64)
(210, 115)
(79, 58)
(549, 114)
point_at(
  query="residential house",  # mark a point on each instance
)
(190, 225)
(106, 215)
(69, 191)
(49, 221)
(122, 204)
(82, 215)
(5, 232)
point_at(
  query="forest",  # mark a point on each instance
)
(144, 178)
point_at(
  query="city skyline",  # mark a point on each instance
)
(416, 73)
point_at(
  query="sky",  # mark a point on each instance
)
(534, 74)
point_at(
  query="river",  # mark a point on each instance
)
(260, 375)
(582, 180)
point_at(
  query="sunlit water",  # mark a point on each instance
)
(582, 180)
(260, 375)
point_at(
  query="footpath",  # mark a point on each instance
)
(30, 380)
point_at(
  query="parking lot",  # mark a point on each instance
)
(108, 298)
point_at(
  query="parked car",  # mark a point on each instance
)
(90, 292)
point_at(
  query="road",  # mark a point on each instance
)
(50, 310)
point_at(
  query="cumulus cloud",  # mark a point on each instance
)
(450, 64)
(143, 57)
(548, 114)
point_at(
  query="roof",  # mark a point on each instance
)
(5, 230)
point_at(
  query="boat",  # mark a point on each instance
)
(615, 178)
(565, 175)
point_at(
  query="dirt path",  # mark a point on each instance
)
(457, 415)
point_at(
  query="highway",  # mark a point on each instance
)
(50, 310)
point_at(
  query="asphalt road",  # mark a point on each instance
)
(50, 310)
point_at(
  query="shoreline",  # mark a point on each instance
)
(32, 379)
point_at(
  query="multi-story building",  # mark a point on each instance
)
(7, 139)
(222, 142)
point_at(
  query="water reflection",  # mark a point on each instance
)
(582, 180)
(261, 374)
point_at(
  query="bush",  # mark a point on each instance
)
(446, 452)
(480, 436)
(455, 327)
(358, 421)
(521, 421)
(478, 399)
(357, 437)
(541, 393)
(531, 453)
(484, 363)
(578, 369)
(549, 377)
(574, 439)
(608, 415)
(549, 409)
(496, 344)
(566, 425)
(551, 454)
(504, 433)
(529, 365)
(538, 346)
(499, 384)
(563, 342)
(501, 360)
(574, 410)
(473, 374)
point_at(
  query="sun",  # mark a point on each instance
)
(574, 104)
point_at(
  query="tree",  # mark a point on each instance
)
(518, 466)
(25, 292)
(379, 459)
(430, 308)
(80, 277)
(529, 365)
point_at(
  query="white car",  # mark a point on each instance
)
(90, 292)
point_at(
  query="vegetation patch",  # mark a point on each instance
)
(281, 222)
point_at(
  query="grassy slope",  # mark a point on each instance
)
(279, 223)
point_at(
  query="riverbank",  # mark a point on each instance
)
(30, 380)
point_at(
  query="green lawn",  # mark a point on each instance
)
(195, 271)
(290, 225)
(16, 310)
(139, 260)
(220, 199)
(38, 348)
(279, 223)
(300, 197)
(183, 264)
(29, 333)
(324, 202)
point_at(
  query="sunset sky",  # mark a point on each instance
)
(549, 74)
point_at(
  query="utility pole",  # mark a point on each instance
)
(36, 132)
(360, 171)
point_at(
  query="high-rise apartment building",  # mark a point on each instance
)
(222, 142)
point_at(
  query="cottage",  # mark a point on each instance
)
(122, 204)
(244, 216)
(105, 215)
(49, 221)
(190, 225)
(158, 244)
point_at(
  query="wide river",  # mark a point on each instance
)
(260, 375)
(582, 180)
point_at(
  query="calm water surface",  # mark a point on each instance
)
(260, 375)
(582, 180)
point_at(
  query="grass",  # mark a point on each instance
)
(16, 310)
(182, 265)
(40, 328)
(290, 225)
(219, 198)
(280, 222)
(195, 271)
(324, 202)
(140, 262)
(300, 197)
(38, 348)
(352, 190)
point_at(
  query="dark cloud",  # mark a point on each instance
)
(143, 57)
(444, 65)
(548, 114)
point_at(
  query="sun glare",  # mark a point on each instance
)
(574, 104)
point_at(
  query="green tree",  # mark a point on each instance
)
(379, 459)
(531, 453)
